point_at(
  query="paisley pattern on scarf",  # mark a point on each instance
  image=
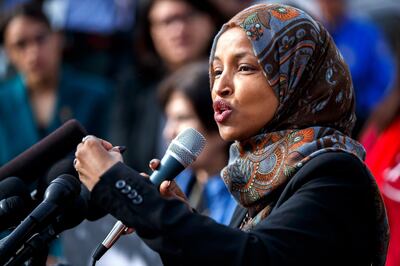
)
(315, 114)
(264, 162)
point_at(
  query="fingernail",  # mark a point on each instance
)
(122, 149)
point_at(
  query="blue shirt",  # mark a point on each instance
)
(219, 203)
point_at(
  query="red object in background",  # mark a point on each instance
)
(383, 159)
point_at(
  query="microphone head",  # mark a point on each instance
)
(13, 186)
(63, 190)
(15, 202)
(63, 166)
(187, 146)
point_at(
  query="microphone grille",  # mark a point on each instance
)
(187, 146)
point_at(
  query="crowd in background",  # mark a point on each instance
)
(135, 72)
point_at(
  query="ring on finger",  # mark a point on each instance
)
(74, 163)
(85, 138)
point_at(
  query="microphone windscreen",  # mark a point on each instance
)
(64, 166)
(13, 186)
(34, 162)
(187, 146)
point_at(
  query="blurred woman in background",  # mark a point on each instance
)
(186, 101)
(170, 34)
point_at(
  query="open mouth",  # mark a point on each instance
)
(222, 111)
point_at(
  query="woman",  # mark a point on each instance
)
(44, 93)
(186, 103)
(281, 90)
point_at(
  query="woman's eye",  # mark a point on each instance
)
(245, 68)
(217, 72)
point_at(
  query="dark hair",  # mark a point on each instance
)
(193, 81)
(149, 62)
(32, 10)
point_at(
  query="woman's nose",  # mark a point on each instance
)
(223, 86)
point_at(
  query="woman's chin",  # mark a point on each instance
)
(228, 133)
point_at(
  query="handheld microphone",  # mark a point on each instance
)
(181, 152)
(33, 162)
(59, 194)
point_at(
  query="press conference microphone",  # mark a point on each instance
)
(13, 186)
(33, 162)
(181, 152)
(15, 202)
(12, 211)
(72, 216)
(66, 166)
(59, 194)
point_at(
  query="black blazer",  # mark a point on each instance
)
(324, 215)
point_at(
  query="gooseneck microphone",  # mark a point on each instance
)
(60, 193)
(33, 163)
(181, 152)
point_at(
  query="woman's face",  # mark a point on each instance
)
(180, 115)
(243, 101)
(179, 32)
(33, 49)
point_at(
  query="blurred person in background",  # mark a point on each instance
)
(380, 137)
(229, 8)
(44, 93)
(170, 34)
(186, 101)
(366, 52)
(383, 158)
(97, 32)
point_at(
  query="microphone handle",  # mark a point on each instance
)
(169, 168)
(111, 238)
(37, 244)
(21, 233)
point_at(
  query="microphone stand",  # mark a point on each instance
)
(37, 244)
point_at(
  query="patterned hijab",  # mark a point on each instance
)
(315, 114)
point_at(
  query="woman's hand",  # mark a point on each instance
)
(94, 157)
(169, 189)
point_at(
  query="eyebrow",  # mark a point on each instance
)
(237, 56)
